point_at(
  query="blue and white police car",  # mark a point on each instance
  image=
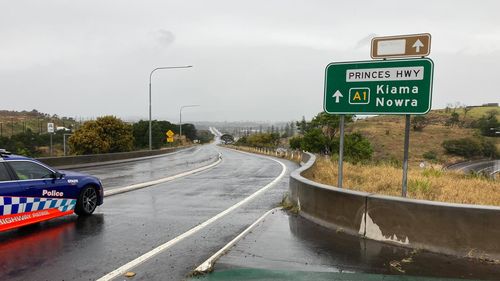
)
(31, 192)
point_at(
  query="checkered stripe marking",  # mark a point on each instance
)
(16, 205)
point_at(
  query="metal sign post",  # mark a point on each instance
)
(405, 155)
(50, 130)
(341, 151)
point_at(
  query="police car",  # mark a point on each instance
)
(31, 192)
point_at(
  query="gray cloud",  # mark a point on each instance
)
(365, 41)
(253, 60)
(165, 37)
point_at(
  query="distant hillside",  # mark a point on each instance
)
(386, 133)
(13, 122)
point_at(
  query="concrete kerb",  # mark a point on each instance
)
(454, 229)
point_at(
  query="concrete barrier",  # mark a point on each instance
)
(453, 229)
(68, 162)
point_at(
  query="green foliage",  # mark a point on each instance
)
(488, 124)
(295, 142)
(453, 120)
(260, 140)
(204, 136)
(357, 148)
(419, 186)
(315, 141)
(104, 135)
(330, 124)
(28, 143)
(430, 155)
(158, 130)
(471, 147)
(321, 136)
(432, 173)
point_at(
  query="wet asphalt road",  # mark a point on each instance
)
(119, 175)
(481, 166)
(312, 251)
(130, 224)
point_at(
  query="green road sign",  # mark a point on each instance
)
(379, 87)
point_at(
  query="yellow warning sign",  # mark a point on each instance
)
(170, 133)
(170, 139)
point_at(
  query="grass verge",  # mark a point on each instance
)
(426, 184)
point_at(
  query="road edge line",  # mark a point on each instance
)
(148, 255)
(137, 186)
(207, 266)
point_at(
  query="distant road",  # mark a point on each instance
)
(488, 167)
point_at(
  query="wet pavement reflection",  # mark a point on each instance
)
(36, 245)
(123, 174)
(290, 242)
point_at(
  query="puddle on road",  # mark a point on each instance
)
(291, 243)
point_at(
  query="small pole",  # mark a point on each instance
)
(341, 151)
(50, 144)
(405, 154)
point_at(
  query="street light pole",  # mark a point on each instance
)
(180, 117)
(151, 74)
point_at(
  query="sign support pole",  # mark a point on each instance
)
(405, 154)
(341, 151)
(50, 144)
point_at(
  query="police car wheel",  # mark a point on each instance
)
(87, 201)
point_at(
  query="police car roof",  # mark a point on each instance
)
(13, 157)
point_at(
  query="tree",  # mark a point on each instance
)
(357, 148)
(315, 141)
(471, 147)
(466, 110)
(454, 120)
(204, 136)
(106, 134)
(488, 124)
(292, 129)
(302, 125)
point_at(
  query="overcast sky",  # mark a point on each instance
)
(253, 60)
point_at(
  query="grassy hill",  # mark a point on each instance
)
(386, 133)
(14, 122)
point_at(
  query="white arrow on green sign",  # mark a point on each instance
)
(379, 87)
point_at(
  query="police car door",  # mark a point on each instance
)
(9, 188)
(33, 178)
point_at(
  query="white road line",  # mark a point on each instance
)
(124, 189)
(473, 164)
(209, 263)
(126, 267)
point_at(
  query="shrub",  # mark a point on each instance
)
(430, 155)
(420, 186)
(469, 147)
(105, 135)
(295, 142)
(357, 148)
